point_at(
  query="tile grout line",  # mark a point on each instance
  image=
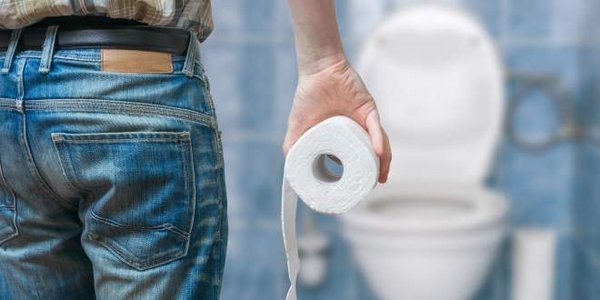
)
(504, 16)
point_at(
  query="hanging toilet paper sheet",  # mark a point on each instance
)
(306, 176)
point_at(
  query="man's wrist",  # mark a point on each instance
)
(308, 65)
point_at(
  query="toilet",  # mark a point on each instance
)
(433, 231)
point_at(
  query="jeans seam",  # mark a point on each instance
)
(218, 148)
(130, 136)
(15, 234)
(60, 58)
(73, 187)
(8, 104)
(2, 107)
(64, 160)
(201, 75)
(113, 106)
(187, 173)
(209, 100)
(12, 207)
(123, 107)
(4, 183)
(114, 141)
(34, 170)
(222, 218)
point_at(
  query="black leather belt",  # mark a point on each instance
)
(136, 37)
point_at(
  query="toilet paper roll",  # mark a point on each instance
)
(307, 177)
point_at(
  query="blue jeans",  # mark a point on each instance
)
(111, 184)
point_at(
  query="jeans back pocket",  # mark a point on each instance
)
(143, 190)
(8, 211)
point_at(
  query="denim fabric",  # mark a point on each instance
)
(111, 184)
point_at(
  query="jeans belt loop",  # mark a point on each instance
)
(190, 56)
(48, 49)
(10, 52)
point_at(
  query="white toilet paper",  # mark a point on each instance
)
(306, 176)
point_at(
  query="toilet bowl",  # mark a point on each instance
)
(432, 232)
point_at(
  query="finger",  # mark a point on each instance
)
(375, 132)
(380, 144)
(385, 159)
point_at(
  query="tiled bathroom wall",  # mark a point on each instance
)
(250, 62)
(586, 206)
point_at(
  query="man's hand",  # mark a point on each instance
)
(327, 84)
(331, 88)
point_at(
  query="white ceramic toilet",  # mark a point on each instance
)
(433, 231)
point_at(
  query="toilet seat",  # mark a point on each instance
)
(429, 210)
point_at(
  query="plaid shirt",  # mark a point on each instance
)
(187, 14)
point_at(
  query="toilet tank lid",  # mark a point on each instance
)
(438, 82)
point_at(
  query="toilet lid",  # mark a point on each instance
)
(438, 83)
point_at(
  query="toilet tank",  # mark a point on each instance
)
(438, 82)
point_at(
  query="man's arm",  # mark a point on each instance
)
(327, 84)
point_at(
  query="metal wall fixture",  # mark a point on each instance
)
(553, 90)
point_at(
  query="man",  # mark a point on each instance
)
(111, 169)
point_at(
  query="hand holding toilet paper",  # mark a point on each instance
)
(306, 176)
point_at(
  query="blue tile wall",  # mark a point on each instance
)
(586, 207)
(250, 61)
(255, 265)
(544, 20)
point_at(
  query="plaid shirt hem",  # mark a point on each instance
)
(192, 15)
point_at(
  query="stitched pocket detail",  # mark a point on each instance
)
(142, 187)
